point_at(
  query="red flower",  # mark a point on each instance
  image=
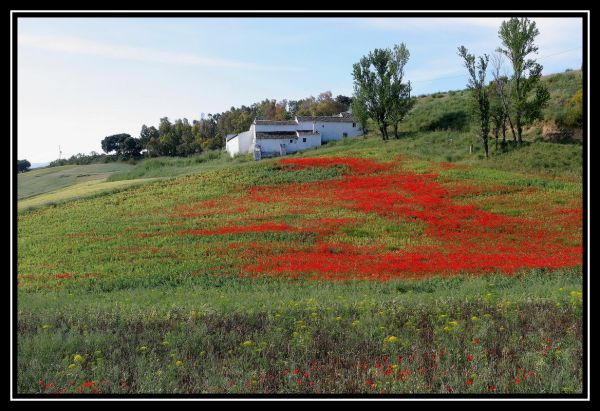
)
(469, 357)
(476, 341)
(296, 371)
(491, 388)
(47, 387)
(469, 382)
(517, 381)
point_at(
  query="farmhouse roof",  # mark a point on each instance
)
(276, 122)
(307, 133)
(327, 119)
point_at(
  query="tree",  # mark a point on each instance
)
(497, 112)
(503, 90)
(114, 143)
(124, 145)
(147, 134)
(344, 101)
(401, 101)
(23, 166)
(518, 36)
(481, 104)
(372, 86)
(379, 89)
(359, 113)
(132, 148)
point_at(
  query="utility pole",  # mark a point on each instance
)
(59, 152)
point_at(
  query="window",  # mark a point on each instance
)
(353, 125)
(291, 141)
(304, 139)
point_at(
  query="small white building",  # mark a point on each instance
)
(277, 138)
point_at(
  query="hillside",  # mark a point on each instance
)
(358, 267)
(448, 111)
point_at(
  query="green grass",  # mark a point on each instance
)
(111, 296)
(450, 112)
(172, 167)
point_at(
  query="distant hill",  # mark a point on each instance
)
(39, 165)
(448, 110)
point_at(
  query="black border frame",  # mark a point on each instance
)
(16, 15)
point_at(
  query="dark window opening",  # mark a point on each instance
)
(291, 141)
(304, 140)
(353, 124)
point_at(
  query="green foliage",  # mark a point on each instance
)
(23, 165)
(518, 36)
(379, 87)
(479, 91)
(572, 117)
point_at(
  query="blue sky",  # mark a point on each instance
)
(81, 79)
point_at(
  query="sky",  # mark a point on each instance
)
(81, 79)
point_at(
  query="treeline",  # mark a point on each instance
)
(182, 137)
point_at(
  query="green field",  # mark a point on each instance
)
(165, 287)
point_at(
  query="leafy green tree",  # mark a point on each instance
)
(23, 166)
(114, 143)
(372, 84)
(379, 88)
(344, 101)
(147, 134)
(131, 148)
(479, 92)
(401, 101)
(359, 113)
(518, 36)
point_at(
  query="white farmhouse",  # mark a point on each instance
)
(272, 138)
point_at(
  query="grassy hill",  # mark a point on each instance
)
(409, 266)
(448, 110)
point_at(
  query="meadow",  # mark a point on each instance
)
(359, 267)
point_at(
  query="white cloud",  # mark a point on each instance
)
(63, 44)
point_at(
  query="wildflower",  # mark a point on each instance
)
(178, 363)
(296, 371)
(469, 357)
(469, 382)
(517, 381)
(88, 384)
(77, 359)
(491, 388)
(474, 318)
(391, 339)
(71, 366)
(338, 318)
(355, 323)
(476, 341)
(247, 343)
(47, 387)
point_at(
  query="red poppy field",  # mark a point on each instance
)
(380, 274)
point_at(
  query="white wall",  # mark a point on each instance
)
(245, 141)
(271, 146)
(233, 146)
(335, 131)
